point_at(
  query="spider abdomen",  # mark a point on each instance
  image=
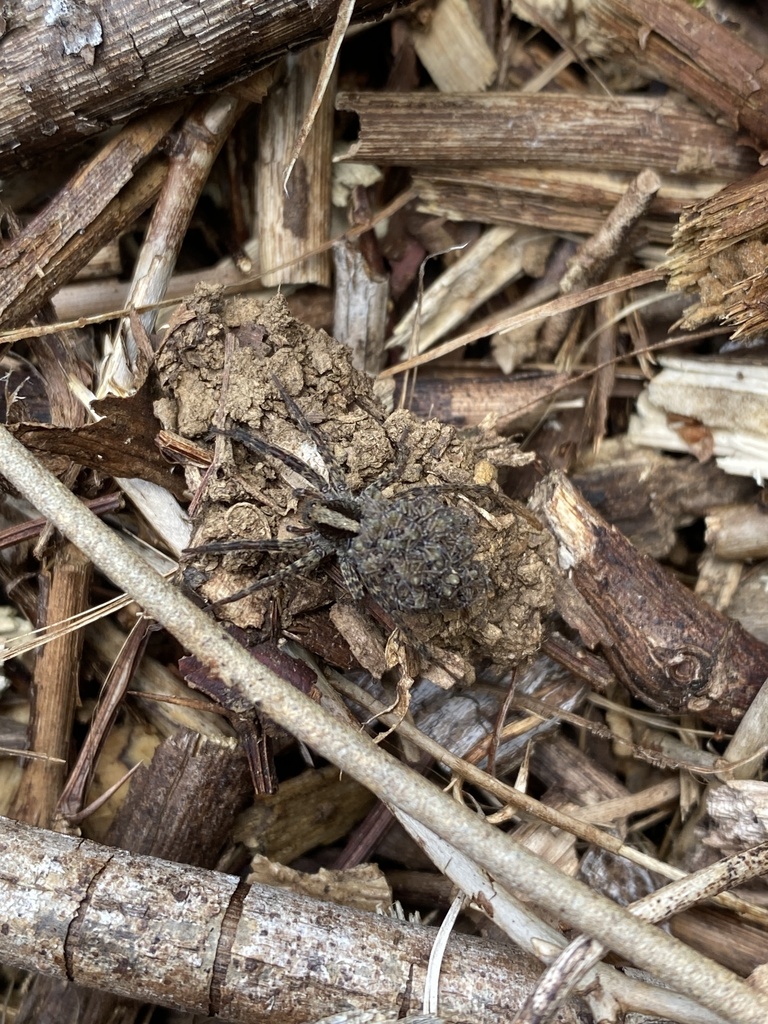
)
(414, 553)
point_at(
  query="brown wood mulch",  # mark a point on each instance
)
(383, 531)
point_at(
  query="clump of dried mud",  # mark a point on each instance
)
(217, 367)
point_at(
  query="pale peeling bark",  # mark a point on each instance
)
(68, 71)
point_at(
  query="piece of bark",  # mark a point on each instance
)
(738, 532)
(51, 96)
(718, 582)
(361, 307)
(422, 889)
(64, 263)
(671, 40)
(738, 810)
(183, 805)
(316, 808)
(665, 645)
(294, 216)
(558, 199)
(365, 639)
(719, 251)
(452, 48)
(452, 395)
(180, 807)
(49, 243)
(499, 257)
(363, 887)
(55, 691)
(60, 359)
(715, 223)
(626, 134)
(207, 943)
(707, 407)
(513, 348)
(650, 496)
(749, 603)
(467, 724)
(739, 945)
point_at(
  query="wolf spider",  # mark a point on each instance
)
(410, 552)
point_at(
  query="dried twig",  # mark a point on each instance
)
(668, 647)
(565, 973)
(185, 937)
(294, 202)
(55, 692)
(67, 232)
(689, 51)
(625, 134)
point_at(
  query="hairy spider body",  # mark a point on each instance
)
(415, 554)
(411, 552)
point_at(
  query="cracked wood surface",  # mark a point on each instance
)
(63, 79)
(207, 943)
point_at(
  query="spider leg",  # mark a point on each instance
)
(350, 576)
(401, 460)
(330, 517)
(335, 477)
(262, 447)
(218, 547)
(307, 561)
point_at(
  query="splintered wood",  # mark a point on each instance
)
(385, 550)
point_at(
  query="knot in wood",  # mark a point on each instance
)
(687, 667)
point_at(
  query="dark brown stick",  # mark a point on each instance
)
(688, 51)
(668, 647)
(60, 83)
(55, 691)
(49, 243)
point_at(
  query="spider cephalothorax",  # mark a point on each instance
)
(411, 552)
